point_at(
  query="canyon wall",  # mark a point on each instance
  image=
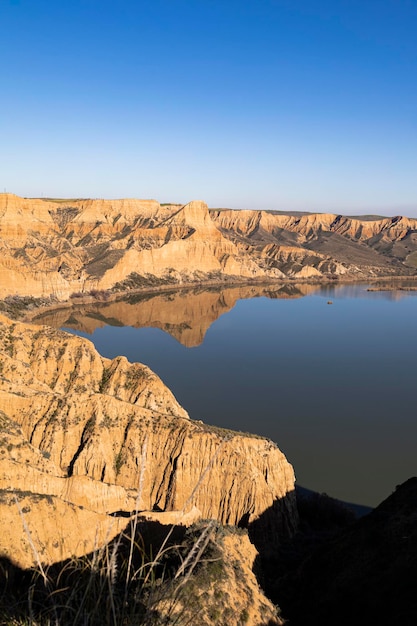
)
(85, 438)
(317, 244)
(61, 247)
(58, 248)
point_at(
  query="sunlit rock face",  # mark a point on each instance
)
(84, 437)
(60, 248)
(64, 247)
(310, 245)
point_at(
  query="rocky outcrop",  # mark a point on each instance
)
(58, 248)
(207, 577)
(330, 244)
(102, 436)
(61, 247)
(222, 588)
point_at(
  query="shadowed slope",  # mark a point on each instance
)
(366, 574)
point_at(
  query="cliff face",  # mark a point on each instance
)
(58, 248)
(317, 244)
(68, 246)
(84, 437)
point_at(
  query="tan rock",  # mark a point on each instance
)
(329, 244)
(108, 436)
(56, 248)
(41, 529)
(223, 589)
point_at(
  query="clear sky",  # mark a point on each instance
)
(269, 104)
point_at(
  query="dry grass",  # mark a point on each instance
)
(143, 576)
(119, 583)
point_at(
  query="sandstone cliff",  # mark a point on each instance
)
(62, 247)
(58, 248)
(307, 245)
(84, 437)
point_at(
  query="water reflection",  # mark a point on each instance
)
(334, 386)
(185, 314)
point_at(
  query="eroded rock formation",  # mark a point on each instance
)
(58, 248)
(84, 437)
(68, 246)
(308, 245)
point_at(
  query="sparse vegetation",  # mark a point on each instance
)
(136, 281)
(16, 306)
(104, 379)
(118, 462)
(100, 294)
(131, 379)
(226, 433)
(122, 583)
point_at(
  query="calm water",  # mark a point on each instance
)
(333, 385)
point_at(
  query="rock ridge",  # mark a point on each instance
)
(95, 436)
(61, 247)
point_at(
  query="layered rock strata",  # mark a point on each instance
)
(317, 244)
(51, 247)
(83, 437)
(58, 248)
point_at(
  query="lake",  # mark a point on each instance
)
(333, 384)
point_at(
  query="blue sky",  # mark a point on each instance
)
(269, 104)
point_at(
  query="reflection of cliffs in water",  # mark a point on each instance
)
(185, 314)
